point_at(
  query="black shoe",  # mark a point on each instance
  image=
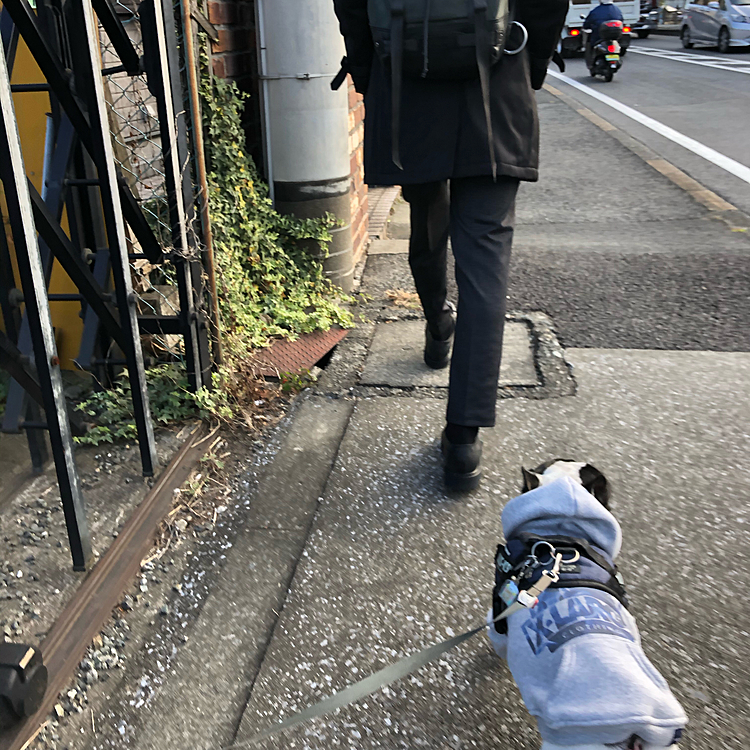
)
(437, 352)
(462, 464)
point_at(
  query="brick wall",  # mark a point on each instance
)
(357, 172)
(234, 57)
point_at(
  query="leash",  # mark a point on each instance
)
(402, 668)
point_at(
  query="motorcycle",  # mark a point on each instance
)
(572, 40)
(605, 57)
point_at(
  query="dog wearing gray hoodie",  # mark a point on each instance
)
(576, 654)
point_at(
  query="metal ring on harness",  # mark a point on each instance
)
(572, 560)
(534, 546)
(522, 46)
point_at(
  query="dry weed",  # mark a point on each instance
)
(402, 298)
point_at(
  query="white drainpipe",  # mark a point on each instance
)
(305, 124)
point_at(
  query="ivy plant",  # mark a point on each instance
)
(269, 283)
(111, 414)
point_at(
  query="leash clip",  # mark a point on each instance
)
(529, 597)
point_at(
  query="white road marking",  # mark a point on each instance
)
(727, 164)
(707, 61)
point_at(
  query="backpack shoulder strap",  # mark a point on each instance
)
(397, 53)
(483, 46)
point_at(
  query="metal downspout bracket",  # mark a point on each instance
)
(31, 273)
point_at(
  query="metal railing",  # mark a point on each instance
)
(118, 163)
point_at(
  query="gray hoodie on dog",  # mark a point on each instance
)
(576, 656)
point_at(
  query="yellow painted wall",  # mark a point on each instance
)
(31, 109)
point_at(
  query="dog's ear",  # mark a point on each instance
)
(539, 470)
(530, 480)
(596, 483)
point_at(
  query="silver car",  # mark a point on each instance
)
(725, 23)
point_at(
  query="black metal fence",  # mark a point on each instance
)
(120, 166)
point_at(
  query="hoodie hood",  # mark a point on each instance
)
(563, 507)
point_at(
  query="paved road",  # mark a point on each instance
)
(616, 254)
(341, 550)
(699, 93)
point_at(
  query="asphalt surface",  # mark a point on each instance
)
(393, 563)
(710, 104)
(342, 551)
(618, 255)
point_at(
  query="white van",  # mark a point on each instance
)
(725, 23)
(572, 37)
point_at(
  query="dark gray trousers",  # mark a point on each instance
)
(479, 215)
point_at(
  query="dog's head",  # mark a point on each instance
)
(585, 474)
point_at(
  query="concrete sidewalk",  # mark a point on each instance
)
(394, 564)
(343, 551)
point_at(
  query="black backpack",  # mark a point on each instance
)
(441, 40)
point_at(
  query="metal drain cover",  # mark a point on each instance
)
(295, 356)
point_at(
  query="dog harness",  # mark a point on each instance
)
(522, 571)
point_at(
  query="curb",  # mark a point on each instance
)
(381, 202)
(736, 220)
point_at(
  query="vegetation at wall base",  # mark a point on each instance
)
(269, 282)
(238, 398)
(110, 411)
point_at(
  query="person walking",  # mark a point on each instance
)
(458, 146)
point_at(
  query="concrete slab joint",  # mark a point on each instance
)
(533, 363)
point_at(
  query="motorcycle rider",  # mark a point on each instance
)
(605, 11)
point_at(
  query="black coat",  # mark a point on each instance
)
(442, 125)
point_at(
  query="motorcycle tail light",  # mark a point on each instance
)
(626, 29)
(575, 32)
(612, 48)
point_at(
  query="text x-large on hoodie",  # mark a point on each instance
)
(576, 657)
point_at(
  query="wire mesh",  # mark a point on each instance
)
(136, 138)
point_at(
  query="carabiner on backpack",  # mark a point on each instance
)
(522, 46)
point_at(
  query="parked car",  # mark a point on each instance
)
(725, 23)
(646, 23)
(648, 20)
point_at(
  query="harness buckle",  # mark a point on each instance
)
(529, 597)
